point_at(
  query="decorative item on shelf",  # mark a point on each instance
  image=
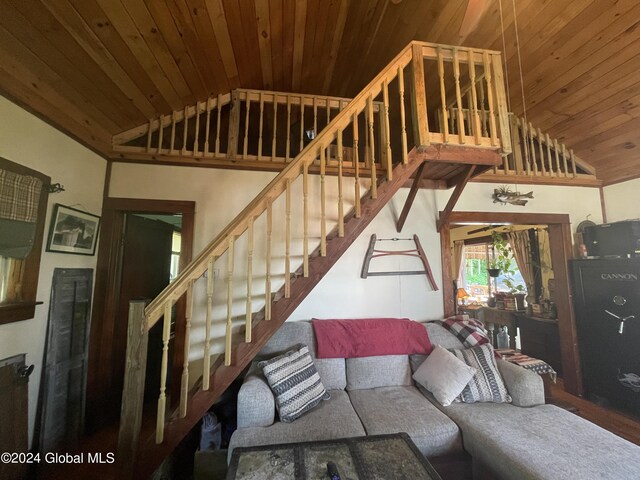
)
(462, 296)
(537, 309)
(505, 195)
(511, 304)
(491, 302)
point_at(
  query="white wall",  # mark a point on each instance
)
(622, 200)
(26, 140)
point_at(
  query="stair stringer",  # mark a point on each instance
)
(243, 353)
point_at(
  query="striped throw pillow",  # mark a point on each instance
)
(295, 383)
(487, 384)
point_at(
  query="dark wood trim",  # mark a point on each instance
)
(603, 206)
(411, 197)
(561, 253)
(455, 196)
(25, 309)
(560, 244)
(107, 288)
(107, 181)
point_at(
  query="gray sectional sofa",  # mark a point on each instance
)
(376, 395)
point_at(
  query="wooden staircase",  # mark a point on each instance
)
(237, 291)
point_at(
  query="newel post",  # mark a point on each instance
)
(419, 99)
(133, 390)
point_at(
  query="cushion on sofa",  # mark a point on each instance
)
(334, 418)
(403, 409)
(542, 443)
(295, 383)
(331, 370)
(487, 384)
(524, 386)
(444, 375)
(372, 372)
(438, 335)
(256, 404)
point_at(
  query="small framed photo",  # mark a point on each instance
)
(73, 231)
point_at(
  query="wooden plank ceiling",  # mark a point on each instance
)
(95, 68)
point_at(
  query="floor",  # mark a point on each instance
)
(616, 422)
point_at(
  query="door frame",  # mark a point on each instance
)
(561, 252)
(107, 290)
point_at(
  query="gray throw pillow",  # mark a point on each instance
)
(487, 384)
(295, 383)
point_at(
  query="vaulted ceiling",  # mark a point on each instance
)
(95, 68)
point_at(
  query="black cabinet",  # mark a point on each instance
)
(607, 308)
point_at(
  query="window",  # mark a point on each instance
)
(23, 206)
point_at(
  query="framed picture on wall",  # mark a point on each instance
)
(73, 231)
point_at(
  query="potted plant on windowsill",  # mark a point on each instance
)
(504, 262)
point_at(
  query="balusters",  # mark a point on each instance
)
(323, 218)
(149, 135)
(541, 152)
(267, 290)
(247, 109)
(549, 158)
(305, 197)
(249, 305)
(164, 367)
(443, 98)
(173, 133)
(477, 130)
(403, 127)
(372, 149)
(218, 122)
(207, 127)
(328, 111)
(356, 163)
(301, 124)
(564, 160)
(227, 344)
(460, 113)
(160, 132)
(556, 149)
(184, 132)
(288, 145)
(489, 79)
(532, 149)
(261, 125)
(196, 146)
(184, 381)
(483, 110)
(525, 145)
(207, 326)
(573, 164)
(275, 127)
(315, 116)
(387, 130)
(340, 203)
(287, 241)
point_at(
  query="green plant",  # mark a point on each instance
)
(504, 261)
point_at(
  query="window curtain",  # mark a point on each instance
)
(521, 248)
(19, 198)
(457, 263)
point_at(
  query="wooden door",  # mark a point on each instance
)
(65, 365)
(14, 378)
(146, 263)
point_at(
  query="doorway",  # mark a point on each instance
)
(144, 244)
(559, 231)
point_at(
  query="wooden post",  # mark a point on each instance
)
(356, 163)
(288, 145)
(501, 100)
(387, 130)
(245, 143)
(261, 126)
(207, 325)
(287, 241)
(340, 200)
(164, 367)
(275, 127)
(372, 150)
(541, 153)
(403, 127)
(305, 195)
(249, 305)
(443, 98)
(315, 115)
(460, 113)
(227, 343)
(477, 129)
(267, 289)
(483, 109)
(323, 218)
(184, 381)
(418, 99)
(301, 123)
(234, 127)
(133, 391)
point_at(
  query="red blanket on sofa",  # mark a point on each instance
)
(370, 337)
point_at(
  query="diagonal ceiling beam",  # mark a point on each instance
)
(444, 216)
(411, 197)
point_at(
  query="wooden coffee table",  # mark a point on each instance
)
(376, 457)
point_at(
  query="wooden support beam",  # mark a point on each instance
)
(411, 197)
(444, 216)
(458, 154)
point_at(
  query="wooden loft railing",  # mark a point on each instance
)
(229, 315)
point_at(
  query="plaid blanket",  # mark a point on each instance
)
(534, 364)
(469, 331)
